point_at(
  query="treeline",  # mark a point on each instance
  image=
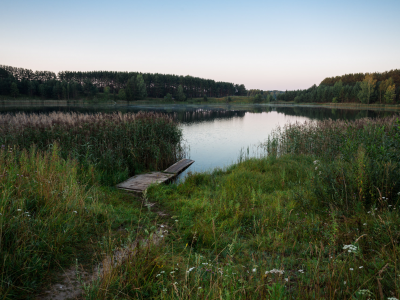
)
(356, 88)
(69, 85)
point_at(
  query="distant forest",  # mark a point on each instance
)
(69, 85)
(356, 88)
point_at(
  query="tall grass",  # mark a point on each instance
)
(357, 160)
(44, 214)
(316, 222)
(118, 145)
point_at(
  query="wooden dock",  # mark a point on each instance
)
(140, 183)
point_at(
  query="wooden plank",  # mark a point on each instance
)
(178, 167)
(140, 183)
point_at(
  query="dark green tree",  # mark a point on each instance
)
(180, 96)
(140, 87)
(130, 89)
(14, 92)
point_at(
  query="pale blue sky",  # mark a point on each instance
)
(263, 44)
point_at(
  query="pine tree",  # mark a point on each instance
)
(140, 87)
(130, 89)
(14, 90)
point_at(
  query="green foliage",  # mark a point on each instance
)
(130, 89)
(137, 85)
(168, 97)
(14, 92)
(118, 145)
(390, 94)
(205, 98)
(359, 158)
(141, 87)
(122, 94)
(107, 92)
(180, 96)
(257, 98)
(367, 88)
(44, 214)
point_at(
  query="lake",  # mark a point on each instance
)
(217, 135)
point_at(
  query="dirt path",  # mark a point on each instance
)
(70, 282)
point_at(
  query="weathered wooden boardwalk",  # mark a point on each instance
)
(140, 183)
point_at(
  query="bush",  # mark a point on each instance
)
(168, 97)
(257, 98)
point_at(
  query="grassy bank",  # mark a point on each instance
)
(56, 208)
(316, 219)
(50, 219)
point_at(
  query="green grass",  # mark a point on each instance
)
(289, 226)
(49, 218)
(315, 219)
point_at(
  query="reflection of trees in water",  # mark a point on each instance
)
(181, 114)
(207, 115)
(320, 113)
(186, 114)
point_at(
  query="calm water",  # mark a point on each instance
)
(216, 135)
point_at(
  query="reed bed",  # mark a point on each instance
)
(327, 139)
(359, 159)
(118, 145)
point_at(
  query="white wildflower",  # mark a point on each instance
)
(350, 248)
(351, 269)
(301, 271)
(275, 271)
(364, 292)
(360, 267)
(19, 209)
(254, 270)
(75, 211)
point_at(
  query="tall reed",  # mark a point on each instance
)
(118, 145)
(355, 160)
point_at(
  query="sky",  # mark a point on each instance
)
(268, 45)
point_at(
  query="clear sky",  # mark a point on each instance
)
(268, 45)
